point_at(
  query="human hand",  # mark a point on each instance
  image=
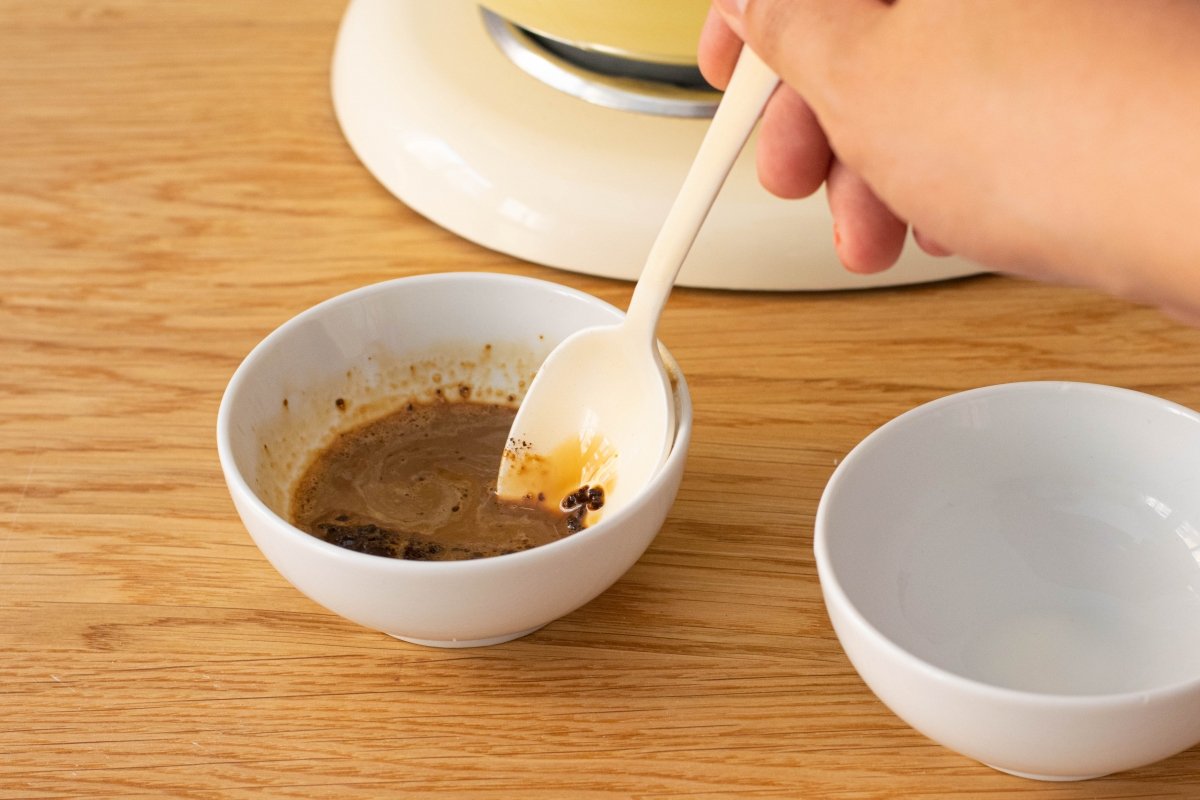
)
(794, 160)
(1045, 139)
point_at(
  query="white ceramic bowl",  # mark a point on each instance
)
(375, 348)
(1015, 572)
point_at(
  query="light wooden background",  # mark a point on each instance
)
(172, 187)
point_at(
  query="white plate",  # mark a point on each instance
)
(440, 116)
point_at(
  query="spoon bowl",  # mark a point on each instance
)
(599, 412)
(602, 397)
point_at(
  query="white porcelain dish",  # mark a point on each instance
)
(452, 128)
(1015, 571)
(373, 349)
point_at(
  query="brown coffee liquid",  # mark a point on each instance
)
(421, 484)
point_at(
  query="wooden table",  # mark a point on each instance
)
(172, 187)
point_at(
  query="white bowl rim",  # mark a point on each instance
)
(401, 566)
(831, 585)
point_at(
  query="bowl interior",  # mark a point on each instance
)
(1042, 537)
(358, 356)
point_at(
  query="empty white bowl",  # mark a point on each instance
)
(374, 349)
(1015, 572)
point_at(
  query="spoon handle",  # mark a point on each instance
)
(749, 89)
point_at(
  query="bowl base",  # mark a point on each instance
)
(1033, 777)
(451, 643)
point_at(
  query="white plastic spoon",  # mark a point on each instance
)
(600, 410)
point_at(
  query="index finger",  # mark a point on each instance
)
(718, 50)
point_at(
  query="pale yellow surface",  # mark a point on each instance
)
(650, 30)
(172, 187)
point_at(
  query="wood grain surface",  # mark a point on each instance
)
(173, 186)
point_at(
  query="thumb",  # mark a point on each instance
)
(807, 42)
